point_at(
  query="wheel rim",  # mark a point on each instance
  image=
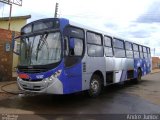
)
(94, 86)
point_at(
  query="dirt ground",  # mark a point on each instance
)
(149, 88)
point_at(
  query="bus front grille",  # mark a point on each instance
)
(32, 89)
(32, 70)
(29, 80)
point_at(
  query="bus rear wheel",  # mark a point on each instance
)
(139, 76)
(95, 86)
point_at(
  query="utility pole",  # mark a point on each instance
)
(56, 10)
(10, 14)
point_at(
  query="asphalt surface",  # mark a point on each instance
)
(142, 98)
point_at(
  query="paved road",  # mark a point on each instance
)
(115, 99)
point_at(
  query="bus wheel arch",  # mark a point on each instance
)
(100, 74)
(96, 84)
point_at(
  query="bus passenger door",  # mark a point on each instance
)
(73, 66)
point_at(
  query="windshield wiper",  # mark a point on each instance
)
(27, 47)
(31, 49)
(41, 42)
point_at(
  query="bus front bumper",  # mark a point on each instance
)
(44, 86)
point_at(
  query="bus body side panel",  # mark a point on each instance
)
(129, 67)
(144, 64)
(120, 72)
(72, 82)
(92, 64)
(119, 67)
(149, 65)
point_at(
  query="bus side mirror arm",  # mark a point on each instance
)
(66, 49)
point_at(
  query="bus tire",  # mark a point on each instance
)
(95, 86)
(139, 76)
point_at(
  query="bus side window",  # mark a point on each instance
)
(148, 52)
(140, 50)
(129, 49)
(75, 47)
(94, 44)
(145, 52)
(119, 49)
(136, 50)
(108, 46)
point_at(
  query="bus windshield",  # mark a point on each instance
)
(40, 49)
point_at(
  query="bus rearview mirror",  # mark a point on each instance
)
(71, 43)
(16, 46)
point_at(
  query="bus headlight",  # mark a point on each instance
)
(55, 75)
(52, 78)
(18, 78)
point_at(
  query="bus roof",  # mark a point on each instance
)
(87, 28)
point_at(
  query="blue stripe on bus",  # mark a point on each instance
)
(123, 75)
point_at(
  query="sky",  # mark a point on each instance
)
(134, 20)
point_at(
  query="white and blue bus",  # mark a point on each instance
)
(57, 56)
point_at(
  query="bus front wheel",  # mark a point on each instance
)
(95, 86)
